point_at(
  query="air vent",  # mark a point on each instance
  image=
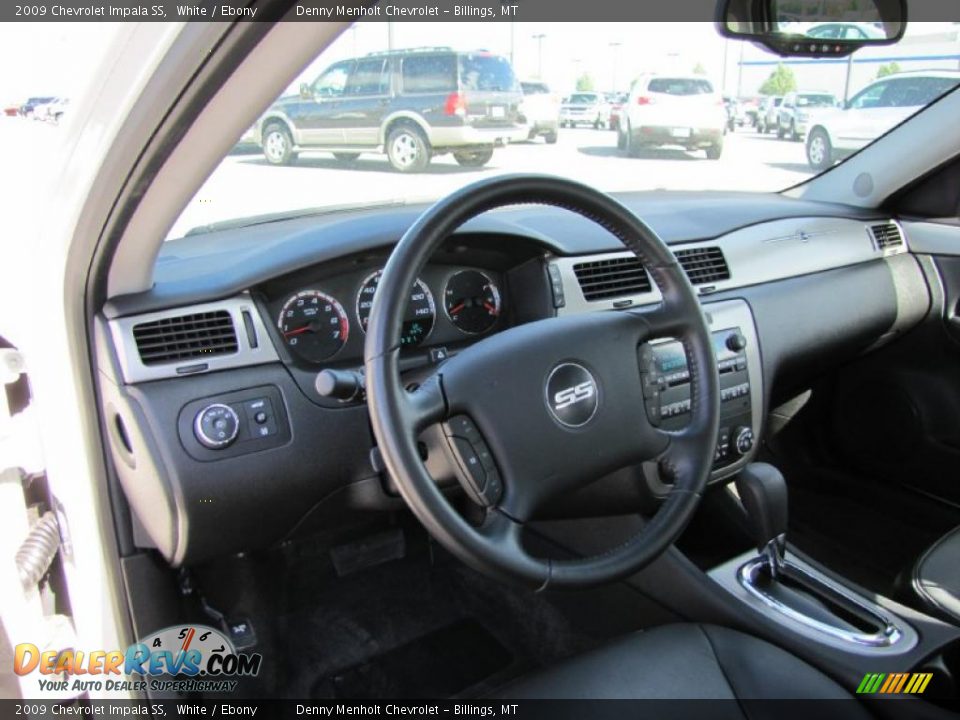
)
(616, 277)
(886, 236)
(704, 265)
(186, 337)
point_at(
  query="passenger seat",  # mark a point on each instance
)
(936, 577)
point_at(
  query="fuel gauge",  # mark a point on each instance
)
(472, 301)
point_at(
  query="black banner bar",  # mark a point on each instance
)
(892, 707)
(393, 10)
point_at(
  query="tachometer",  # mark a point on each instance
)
(417, 320)
(472, 301)
(314, 325)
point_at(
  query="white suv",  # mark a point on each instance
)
(873, 111)
(673, 110)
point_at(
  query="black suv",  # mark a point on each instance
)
(411, 104)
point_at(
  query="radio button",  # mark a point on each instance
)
(736, 342)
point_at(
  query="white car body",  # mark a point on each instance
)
(674, 110)
(876, 109)
(540, 109)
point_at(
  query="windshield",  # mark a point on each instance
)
(386, 116)
(816, 100)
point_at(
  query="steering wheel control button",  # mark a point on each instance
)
(471, 463)
(462, 426)
(216, 426)
(475, 464)
(572, 395)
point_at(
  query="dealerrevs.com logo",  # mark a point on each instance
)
(193, 658)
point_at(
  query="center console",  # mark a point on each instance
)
(737, 350)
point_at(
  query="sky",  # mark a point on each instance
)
(58, 58)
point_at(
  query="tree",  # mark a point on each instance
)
(699, 69)
(780, 82)
(888, 69)
(585, 83)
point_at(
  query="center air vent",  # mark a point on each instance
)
(186, 337)
(886, 236)
(704, 265)
(616, 277)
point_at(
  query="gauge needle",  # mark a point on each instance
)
(298, 331)
(490, 308)
(457, 308)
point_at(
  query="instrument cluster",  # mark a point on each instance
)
(326, 321)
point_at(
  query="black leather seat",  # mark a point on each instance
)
(686, 662)
(936, 577)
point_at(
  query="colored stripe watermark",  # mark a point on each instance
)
(894, 683)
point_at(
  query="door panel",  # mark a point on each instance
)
(318, 118)
(366, 101)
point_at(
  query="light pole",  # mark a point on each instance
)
(616, 54)
(539, 38)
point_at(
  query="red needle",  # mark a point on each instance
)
(457, 308)
(490, 308)
(298, 331)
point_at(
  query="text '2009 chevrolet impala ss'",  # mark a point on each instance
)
(350, 391)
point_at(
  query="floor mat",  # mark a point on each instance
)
(440, 664)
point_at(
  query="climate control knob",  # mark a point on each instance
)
(741, 440)
(216, 426)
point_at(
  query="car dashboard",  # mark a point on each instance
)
(224, 439)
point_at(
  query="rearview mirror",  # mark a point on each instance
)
(813, 28)
(305, 92)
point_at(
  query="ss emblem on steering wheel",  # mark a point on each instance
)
(572, 394)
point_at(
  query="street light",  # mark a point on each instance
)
(616, 53)
(539, 38)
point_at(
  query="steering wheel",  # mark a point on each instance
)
(557, 403)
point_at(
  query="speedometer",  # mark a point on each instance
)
(314, 325)
(418, 318)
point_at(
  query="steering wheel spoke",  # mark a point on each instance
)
(427, 405)
(663, 320)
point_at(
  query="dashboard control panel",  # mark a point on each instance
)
(667, 390)
(234, 424)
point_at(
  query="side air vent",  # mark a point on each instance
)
(616, 277)
(704, 265)
(886, 236)
(185, 337)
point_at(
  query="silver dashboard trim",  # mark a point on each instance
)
(133, 370)
(757, 254)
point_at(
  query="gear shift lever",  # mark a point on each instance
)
(763, 491)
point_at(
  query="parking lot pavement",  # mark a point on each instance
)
(245, 185)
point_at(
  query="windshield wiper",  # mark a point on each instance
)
(283, 215)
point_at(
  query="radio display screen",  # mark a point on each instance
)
(671, 357)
